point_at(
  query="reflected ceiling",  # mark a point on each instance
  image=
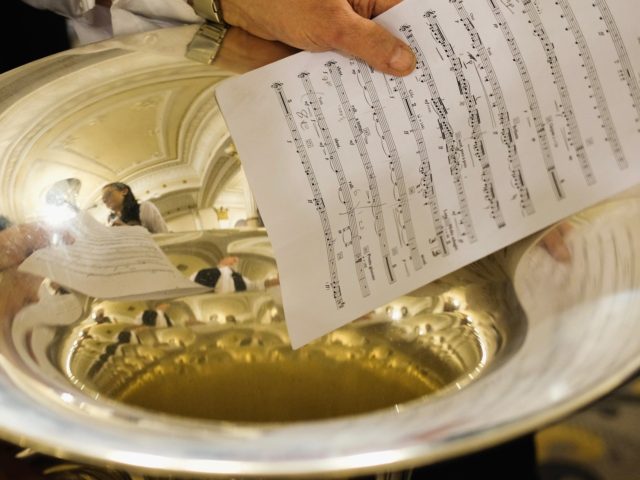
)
(149, 120)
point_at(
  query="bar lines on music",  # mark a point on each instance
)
(429, 190)
(626, 68)
(532, 99)
(317, 194)
(389, 146)
(498, 102)
(575, 136)
(594, 81)
(471, 104)
(359, 138)
(333, 158)
(447, 135)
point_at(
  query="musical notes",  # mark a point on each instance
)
(446, 130)
(372, 182)
(318, 201)
(429, 190)
(532, 98)
(470, 102)
(626, 67)
(499, 103)
(594, 82)
(388, 144)
(518, 114)
(332, 157)
(575, 137)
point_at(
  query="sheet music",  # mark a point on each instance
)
(518, 114)
(111, 262)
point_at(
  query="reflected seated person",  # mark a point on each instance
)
(126, 210)
(224, 278)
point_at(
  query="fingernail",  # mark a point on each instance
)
(563, 254)
(402, 59)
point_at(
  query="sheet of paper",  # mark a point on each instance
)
(518, 114)
(111, 262)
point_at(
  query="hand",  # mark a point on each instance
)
(320, 25)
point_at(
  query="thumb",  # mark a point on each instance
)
(372, 43)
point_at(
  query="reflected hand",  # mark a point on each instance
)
(17, 290)
(554, 243)
(314, 25)
(20, 241)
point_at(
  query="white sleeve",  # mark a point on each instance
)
(93, 23)
(151, 218)
(66, 8)
(170, 11)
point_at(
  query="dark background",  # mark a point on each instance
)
(28, 33)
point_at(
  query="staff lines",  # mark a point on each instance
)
(594, 82)
(359, 139)
(479, 149)
(388, 143)
(333, 158)
(532, 99)
(317, 195)
(429, 190)
(498, 102)
(626, 68)
(448, 136)
(575, 137)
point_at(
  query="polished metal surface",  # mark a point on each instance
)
(497, 349)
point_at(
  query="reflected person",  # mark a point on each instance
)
(223, 278)
(126, 210)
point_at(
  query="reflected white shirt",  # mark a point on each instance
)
(93, 23)
(151, 218)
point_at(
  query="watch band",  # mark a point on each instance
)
(206, 42)
(209, 9)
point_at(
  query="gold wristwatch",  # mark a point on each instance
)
(206, 42)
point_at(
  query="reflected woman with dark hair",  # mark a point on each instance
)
(126, 210)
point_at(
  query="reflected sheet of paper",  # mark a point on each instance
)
(111, 262)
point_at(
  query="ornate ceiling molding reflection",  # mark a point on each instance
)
(156, 126)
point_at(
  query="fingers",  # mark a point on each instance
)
(382, 6)
(314, 25)
(379, 48)
(555, 244)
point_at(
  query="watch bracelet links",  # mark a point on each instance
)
(206, 42)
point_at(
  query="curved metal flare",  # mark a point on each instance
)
(207, 384)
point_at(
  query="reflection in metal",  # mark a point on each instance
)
(207, 385)
(228, 357)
